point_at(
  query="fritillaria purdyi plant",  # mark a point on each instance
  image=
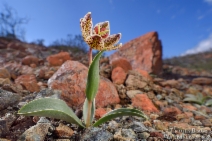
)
(98, 38)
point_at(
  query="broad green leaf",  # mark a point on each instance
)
(50, 107)
(194, 100)
(199, 98)
(93, 78)
(208, 102)
(199, 95)
(190, 95)
(119, 113)
(200, 113)
(85, 110)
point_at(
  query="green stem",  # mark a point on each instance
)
(88, 122)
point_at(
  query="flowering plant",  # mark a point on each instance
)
(98, 38)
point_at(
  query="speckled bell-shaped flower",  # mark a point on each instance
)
(99, 37)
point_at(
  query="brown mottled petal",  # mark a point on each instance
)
(113, 47)
(103, 29)
(95, 42)
(86, 25)
(105, 24)
(112, 39)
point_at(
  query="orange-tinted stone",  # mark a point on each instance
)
(123, 63)
(118, 75)
(29, 82)
(28, 60)
(142, 102)
(99, 113)
(58, 59)
(172, 110)
(4, 73)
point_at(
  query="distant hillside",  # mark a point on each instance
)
(200, 61)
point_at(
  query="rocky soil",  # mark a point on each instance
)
(28, 72)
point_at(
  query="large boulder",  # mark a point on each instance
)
(71, 79)
(144, 52)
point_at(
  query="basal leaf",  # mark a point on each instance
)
(191, 99)
(208, 102)
(93, 78)
(119, 113)
(50, 107)
(85, 111)
(190, 95)
(199, 98)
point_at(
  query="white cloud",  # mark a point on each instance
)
(200, 17)
(202, 46)
(208, 1)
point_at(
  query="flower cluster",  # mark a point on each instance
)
(99, 37)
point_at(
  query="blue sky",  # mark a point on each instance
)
(184, 26)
